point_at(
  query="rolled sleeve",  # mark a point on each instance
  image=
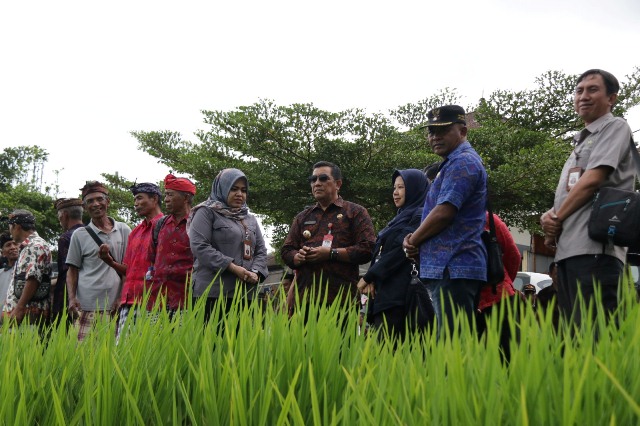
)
(612, 146)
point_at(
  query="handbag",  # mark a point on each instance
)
(615, 213)
(495, 268)
(20, 280)
(418, 307)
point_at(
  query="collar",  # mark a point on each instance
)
(338, 202)
(27, 240)
(591, 128)
(76, 226)
(596, 125)
(460, 149)
(95, 228)
(150, 222)
(172, 219)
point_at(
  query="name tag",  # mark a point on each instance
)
(247, 250)
(573, 176)
(327, 240)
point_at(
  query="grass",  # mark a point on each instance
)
(258, 367)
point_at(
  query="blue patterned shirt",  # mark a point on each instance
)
(462, 182)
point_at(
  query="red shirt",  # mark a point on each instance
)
(136, 260)
(511, 262)
(173, 264)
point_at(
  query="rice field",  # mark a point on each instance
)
(258, 367)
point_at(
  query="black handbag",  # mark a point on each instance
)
(495, 267)
(418, 306)
(19, 282)
(615, 213)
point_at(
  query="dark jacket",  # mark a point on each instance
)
(391, 272)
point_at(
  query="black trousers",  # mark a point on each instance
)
(482, 322)
(394, 318)
(586, 274)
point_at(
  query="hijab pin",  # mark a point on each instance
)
(306, 234)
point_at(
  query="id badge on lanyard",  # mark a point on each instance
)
(328, 238)
(246, 252)
(572, 177)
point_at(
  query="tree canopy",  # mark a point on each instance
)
(21, 172)
(21, 187)
(521, 136)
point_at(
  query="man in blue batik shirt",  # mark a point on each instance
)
(453, 259)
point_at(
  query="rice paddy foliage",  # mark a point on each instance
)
(256, 366)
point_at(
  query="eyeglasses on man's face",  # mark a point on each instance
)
(322, 178)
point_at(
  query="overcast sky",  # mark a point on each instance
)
(77, 76)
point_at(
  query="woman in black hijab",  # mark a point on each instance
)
(388, 279)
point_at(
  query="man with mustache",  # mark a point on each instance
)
(170, 252)
(95, 261)
(328, 240)
(601, 158)
(453, 258)
(146, 202)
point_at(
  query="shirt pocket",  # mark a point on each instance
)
(224, 236)
(583, 153)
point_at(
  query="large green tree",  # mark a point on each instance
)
(521, 136)
(276, 147)
(21, 173)
(21, 187)
(525, 137)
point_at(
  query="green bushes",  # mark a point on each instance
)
(259, 367)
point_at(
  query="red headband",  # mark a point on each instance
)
(179, 184)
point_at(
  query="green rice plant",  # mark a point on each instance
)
(254, 365)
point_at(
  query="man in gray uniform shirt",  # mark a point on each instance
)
(94, 278)
(601, 158)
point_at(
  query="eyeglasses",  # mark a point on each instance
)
(322, 178)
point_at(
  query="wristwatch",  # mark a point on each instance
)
(333, 255)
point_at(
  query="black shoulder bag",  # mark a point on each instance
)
(42, 292)
(418, 307)
(495, 268)
(615, 213)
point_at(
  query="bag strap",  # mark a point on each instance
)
(156, 230)
(154, 237)
(93, 234)
(492, 225)
(97, 239)
(493, 237)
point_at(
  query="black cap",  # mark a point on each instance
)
(445, 115)
(147, 188)
(21, 217)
